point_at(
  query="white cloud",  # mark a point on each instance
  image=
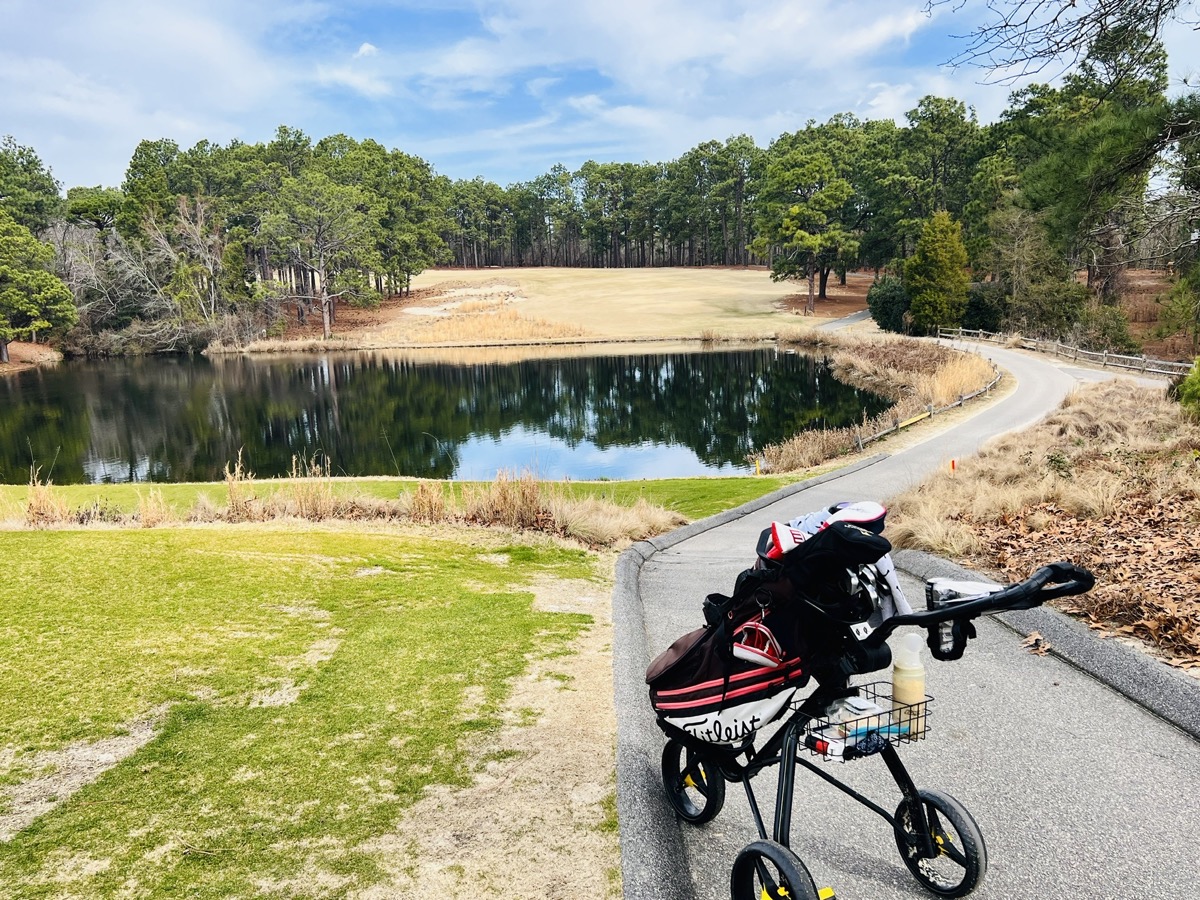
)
(84, 83)
(686, 56)
(887, 101)
(365, 83)
(514, 84)
(537, 87)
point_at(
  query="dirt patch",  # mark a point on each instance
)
(67, 771)
(286, 691)
(538, 820)
(841, 299)
(25, 356)
(1143, 297)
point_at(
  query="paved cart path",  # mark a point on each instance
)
(1079, 792)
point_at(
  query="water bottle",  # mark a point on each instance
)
(908, 685)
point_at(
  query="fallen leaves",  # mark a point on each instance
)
(1130, 512)
(1036, 644)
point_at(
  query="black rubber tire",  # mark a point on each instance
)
(696, 790)
(960, 866)
(767, 869)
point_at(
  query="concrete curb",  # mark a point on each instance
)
(1172, 696)
(652, 854)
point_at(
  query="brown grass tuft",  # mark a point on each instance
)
(243, 505)
(791, 335)
(512, 502)
(427, 504)
(309, 495)
(44, 508)
(204, 510)
(601, 524)
(153, 510)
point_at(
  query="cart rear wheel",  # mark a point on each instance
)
(961, 859)
(695, 789)
(766, 870)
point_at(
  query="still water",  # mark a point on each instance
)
(667, 414)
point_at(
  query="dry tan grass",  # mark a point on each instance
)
(601, 524)
(519, 503)
(491, 324)
(204, 511)
(153, 510)
(513, 502)
(273, 345)
(960, 374)
(242, 504)
(309, 495)
(624, 304)
(926, 523)
(914, 374)
(488, 305)
(44, 508)
(1111, 481)
(427, 503)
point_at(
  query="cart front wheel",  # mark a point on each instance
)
(766, 870)
(695, 789)
(960, 857)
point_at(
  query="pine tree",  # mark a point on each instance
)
(32, 298)
(935, 276)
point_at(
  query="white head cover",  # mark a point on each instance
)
(864, 513)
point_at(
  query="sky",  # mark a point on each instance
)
(502, 89)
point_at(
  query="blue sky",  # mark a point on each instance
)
(499, 88)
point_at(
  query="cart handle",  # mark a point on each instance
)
(1060, 579)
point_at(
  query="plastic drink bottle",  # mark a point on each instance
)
(908, 685)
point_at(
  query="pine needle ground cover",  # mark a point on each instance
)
(290, 692)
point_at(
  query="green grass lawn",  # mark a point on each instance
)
(315, 680)
(379, 637)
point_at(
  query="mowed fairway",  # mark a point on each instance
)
(625, 304)
(283, 694)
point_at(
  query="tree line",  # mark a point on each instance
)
(230, 242)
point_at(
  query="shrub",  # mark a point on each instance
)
(1047, 308)
(986, 307)
(1181, 313)
(1189, 390)
(888, 302)
(1105, 328)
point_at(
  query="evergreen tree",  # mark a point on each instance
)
(32, 299)
(935, 276)
(28, 192)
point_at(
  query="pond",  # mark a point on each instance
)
(640, 415)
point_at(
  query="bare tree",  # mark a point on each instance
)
(1022, 37)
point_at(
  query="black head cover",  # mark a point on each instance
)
(829, 552)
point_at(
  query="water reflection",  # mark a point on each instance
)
(632, 416)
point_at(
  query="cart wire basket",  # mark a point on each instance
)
(858, 726)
